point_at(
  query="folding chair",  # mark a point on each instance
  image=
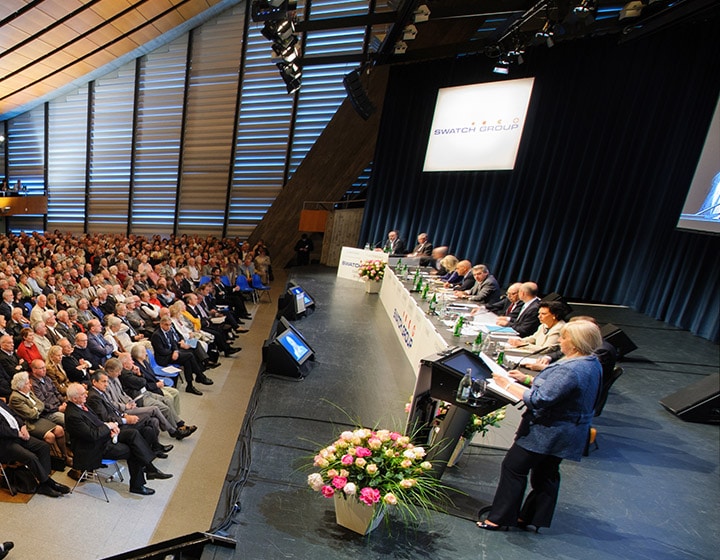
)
(169, 379)
(94, 475)
(245, 288)
(260, 288)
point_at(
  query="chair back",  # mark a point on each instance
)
(257, 283)
(242, 283)
(225, 280)
(607, 383)
(203, 280)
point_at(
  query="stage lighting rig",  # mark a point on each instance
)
(271, 10)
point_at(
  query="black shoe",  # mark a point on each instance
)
(5, 548)
(182, 433)
(193, 390)
(161, 455)
(246, 316)
(157, 475)
(204, 380)
(230, 351)
(46, 490)
(164, 448)
(212, 365)
(242, 331)
(143, 491)
(58, 487)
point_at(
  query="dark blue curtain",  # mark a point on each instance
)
(613, 135)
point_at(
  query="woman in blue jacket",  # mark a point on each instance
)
(554, 427)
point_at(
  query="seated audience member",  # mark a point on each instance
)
(137, 378)
(27, 350)
(545, 338)
(526, 321)
(17, 323)
(51, 333)
(40, 307)
(423, 249)
(263, 265)
(462, 279)
(125, 404)
(168, 352)
(232, 297)
(48, 393)
(64, 327)
(6, 306)
(9, 363)
(94, 440)
(42, 342)
(205, 324)
(54, 369)
(188, 337)
(75, 366)
(29, 407)
(394, 245)
(100, 403)
(509, 305)
(16, 444)
(84, 314)
(485, 290)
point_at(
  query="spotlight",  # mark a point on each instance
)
(502, 66)
(289, 53)
(631, 10)
(281, 32)
(584, 7)
(421, 14)
(400, 47)
(546, 33)
(268, 10)
(409, 32)
(291, 75)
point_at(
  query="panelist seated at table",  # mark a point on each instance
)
(486, 288)
(605, 353)
(545, 338)
(509, 304)
(526, 320)
(436, 257)
(394, 246)
(448, 264)
(423, 249)
(462, 278)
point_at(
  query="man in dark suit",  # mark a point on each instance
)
(464, 279)
(394, 245)
(423, 248)
(10, 364)
(231, 297)
(6, 306)
(16, 444)
(76, 368)
(94, 440)
(167, 352)
(508, 305)
(65, 327)
(99, 402)
(217, 331)
(527, 321)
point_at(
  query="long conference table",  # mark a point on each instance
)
(422, 334)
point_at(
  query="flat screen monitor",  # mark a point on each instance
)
(298, 297)
(462, 359)
(295, 345)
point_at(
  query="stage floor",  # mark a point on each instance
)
(651, 490)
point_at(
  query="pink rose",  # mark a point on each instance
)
(328, 491)
(362, 452)
(347, 460)
(369, 496)
(339, 481)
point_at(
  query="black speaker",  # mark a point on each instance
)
(358, 97)
(615, 336)
(699, 402)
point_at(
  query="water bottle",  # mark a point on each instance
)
(431, 306)
(501, 357)
(399, 267)
(425, 289)
(477, 343)
(457, 331)
(463, 390)
(367, 246)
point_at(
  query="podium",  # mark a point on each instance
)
(438, 379)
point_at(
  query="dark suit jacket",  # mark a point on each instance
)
(528, 322)
(70, 365)
(162, 348)
(90, 437)
(9, 364)
(98, 350)
(486, 291)
(6, 309)
(134, 384)
(66, 331)
(395, 249)
(467, 282)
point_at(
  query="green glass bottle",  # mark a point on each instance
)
(501, 357)
(433, 303)
(477, 343)
(425, 289)
(457, 331)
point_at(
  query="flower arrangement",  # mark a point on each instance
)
(372, 270)
(481, 424)
(377, 467)
(476, 424)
